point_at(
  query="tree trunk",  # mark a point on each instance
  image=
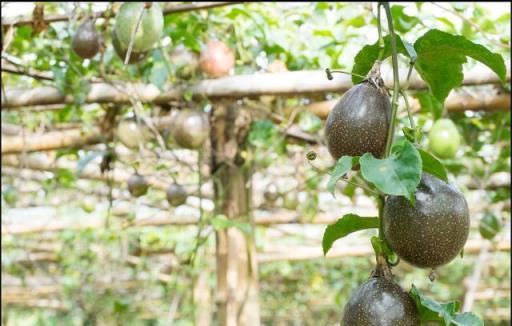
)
(237, 273)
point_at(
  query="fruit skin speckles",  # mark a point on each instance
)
(359, 122)
(433, 232)
(380, 302)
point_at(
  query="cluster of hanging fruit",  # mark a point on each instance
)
(215, 60)
(430, 234)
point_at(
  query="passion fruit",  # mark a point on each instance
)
(216, 59)
(131, 134)
(444, 139)
(137, 185)
(271, 193)
(359, 122)
(121, 51)
(150, 27)
(86, 41)
(88, 204)
(431, 233)
(176, 195)
(290, 201)
(489, 226)
(10, 195)
(380, 302)
(186, 61)
(190, 129)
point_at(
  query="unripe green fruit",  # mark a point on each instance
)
(380, 302)
(290, 201)
(489, 226)
(121, 51)
(176, 195)
(131, 134)
(88, 205)
(150, 28)
(137, 185)
(444, 139)
(86, 40)
(431, 233)
(190, 129)
(359, 122)
(10, 195)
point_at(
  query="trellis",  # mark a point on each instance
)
(234, 305)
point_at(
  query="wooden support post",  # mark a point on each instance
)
(237, 272)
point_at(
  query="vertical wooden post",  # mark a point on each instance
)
(237, 272)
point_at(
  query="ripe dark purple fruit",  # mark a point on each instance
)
(86, 40)
(431, 233)
(359, 122)
(176, 195)
(380, 302)
(137, 185)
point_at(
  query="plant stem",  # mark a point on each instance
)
(396, 81)
(379, 29)
(411, 120)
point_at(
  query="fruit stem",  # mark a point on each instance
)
(396, 81)
(379, 29)
(329, 72)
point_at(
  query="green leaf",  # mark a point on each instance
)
(344, 226)
(262, 133)
(403, 22)
(430, 103)
(399, 174)
(309, 122)
(159, 74)
(365, 58)
(468, 319)
(220, 222)
(432, 165)
(357, 22)
(444, 72)
(343, 165)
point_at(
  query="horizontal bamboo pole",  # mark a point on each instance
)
(306, 253)
(28, 20)
(283, 83)
(165, 218)
(454, 103)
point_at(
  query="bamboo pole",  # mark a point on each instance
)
(282, 83)
(179, 8)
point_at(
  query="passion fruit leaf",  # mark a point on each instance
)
(159, 74)
(220, 222)
(344, 226)
(343, 165)
(467, 319)
(262, 133)
(399, 174)
(367, 56)
(430, 103)
(444, 72)
(432, 165)
(403, 22)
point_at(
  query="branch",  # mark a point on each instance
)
(28, 20)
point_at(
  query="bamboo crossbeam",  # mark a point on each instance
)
(307, 253)
(283, 83)
(28, 20)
